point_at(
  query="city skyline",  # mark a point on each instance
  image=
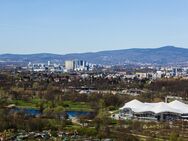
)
(62, 27)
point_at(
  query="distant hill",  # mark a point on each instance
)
(160, 56)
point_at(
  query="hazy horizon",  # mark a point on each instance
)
(78, 26)
(90, 51)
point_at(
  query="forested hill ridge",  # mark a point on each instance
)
(159, 56)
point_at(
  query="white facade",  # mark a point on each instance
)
(172, 110)
(69, 65)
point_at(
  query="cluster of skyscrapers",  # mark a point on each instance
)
(76, 65)
(68, 66)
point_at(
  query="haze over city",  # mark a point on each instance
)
(72, 26)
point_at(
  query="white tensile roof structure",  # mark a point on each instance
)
(179, 106)
(176, 107)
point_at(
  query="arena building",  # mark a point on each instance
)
(154, 111)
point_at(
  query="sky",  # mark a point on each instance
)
(74, 26)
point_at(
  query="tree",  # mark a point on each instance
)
(173, 136)
(58, 111)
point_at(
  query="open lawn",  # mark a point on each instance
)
(68, 105)
(76, 106)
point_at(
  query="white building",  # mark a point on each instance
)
(155, 111)
(39, 67)
(76, 65)
(69, 65)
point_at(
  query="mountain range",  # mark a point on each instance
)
(159, 56)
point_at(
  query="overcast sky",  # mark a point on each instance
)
(69, 26)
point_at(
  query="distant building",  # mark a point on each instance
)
(39, 67)
(154, 111)
(49, 63)
(76, 65)
(69, 65)
(174, 71)
(141, 75)
(80, 65)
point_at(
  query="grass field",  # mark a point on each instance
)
(77, 106)
(68, 105)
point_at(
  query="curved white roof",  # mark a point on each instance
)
(179, 106)
(134, 105)
(160, 107)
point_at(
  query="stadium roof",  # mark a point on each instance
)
(160, 107)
